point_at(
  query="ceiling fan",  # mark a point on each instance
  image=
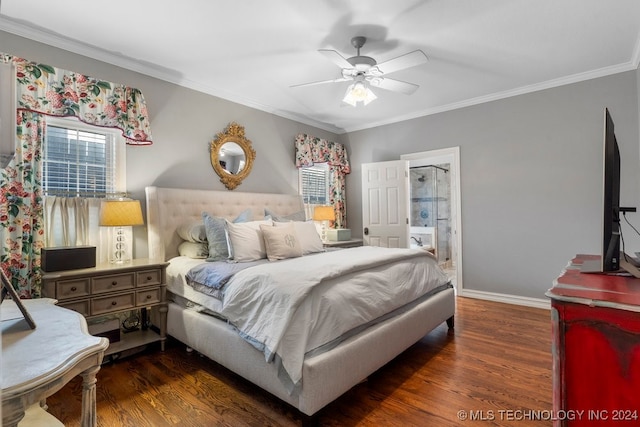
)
(364, 71)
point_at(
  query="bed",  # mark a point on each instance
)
(323, 375)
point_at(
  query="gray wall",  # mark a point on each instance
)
(530, 165)
(183, 123)
(530, 177)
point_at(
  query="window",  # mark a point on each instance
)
(81, 160)
(314, 184)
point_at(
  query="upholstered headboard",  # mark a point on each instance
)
(168, 208)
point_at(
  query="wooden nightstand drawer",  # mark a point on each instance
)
(112, 303)
(116, 282)
(109, 289)
(149, 277)
(149, 296)
(81, 307)
(76, 288)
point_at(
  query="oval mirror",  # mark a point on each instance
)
(232, 156)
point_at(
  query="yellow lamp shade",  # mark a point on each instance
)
(324, 213)
(120, 213)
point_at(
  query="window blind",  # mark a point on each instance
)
(77, 162)
(314, 184)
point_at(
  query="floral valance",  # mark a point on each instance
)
(52, 91)
(310, 150)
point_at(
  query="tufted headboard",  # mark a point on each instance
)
(168, 208)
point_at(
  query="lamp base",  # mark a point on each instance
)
(120, 246)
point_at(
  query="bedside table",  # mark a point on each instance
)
(351, 243)
(114, 288)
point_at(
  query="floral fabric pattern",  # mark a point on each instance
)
(56, 92)
(21, 208)
(43, 90)
(311, 150)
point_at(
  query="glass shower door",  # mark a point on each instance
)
(431, 207)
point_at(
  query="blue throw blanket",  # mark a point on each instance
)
(215, 275)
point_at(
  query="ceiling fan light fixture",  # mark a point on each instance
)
(358, 92)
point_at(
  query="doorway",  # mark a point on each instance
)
(435, 218)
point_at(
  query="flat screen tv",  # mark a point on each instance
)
(611, 198)
(611, 259)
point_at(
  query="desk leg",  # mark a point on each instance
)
(12, 414)
(89, 416)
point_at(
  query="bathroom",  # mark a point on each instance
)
(431, 211)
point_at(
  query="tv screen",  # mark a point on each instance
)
(611, 198)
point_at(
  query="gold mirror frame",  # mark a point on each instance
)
(233, 133)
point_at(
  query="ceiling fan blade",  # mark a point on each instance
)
(394, 85)
(407, 60)
(340, 79)
(336, 58)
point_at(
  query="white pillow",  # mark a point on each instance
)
(245, 240)
(307, 232)
(281, 242)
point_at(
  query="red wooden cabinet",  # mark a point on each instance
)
(596, 348)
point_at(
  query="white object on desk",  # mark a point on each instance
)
(36, 363)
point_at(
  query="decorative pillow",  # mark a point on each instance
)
(192, 231)
(246, 242)
(281, 242)
(308, 236)
(197, 250)
(296, 216)
(217, 234)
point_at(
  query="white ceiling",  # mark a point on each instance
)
(252, 51)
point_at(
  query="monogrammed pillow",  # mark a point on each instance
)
(281, 242)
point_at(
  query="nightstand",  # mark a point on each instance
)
(115, 288)
(351, 243)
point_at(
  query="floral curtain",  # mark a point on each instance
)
(21, 217)
(311, 150)
(56, 92)
(45, 90)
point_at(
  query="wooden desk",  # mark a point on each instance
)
(38, 362)
(596, 347)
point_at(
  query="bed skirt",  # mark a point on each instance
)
(325, 376)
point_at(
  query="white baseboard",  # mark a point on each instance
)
(509, 299)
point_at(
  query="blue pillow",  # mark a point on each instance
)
(217, 235)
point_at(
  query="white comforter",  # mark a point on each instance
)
(288, 308)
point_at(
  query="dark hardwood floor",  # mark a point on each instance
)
(496, 363)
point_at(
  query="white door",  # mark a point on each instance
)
(385, 204)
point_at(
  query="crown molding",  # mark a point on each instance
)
(549, 84)
(22, 29)
(56, 40)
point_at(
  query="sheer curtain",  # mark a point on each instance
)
(74, 221)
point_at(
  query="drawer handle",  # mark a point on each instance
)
(149, 278)
(148, 296)
(114, 283)
(73, 289)
(114, 302)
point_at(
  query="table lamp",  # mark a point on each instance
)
(324, 214)
(120, 213)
